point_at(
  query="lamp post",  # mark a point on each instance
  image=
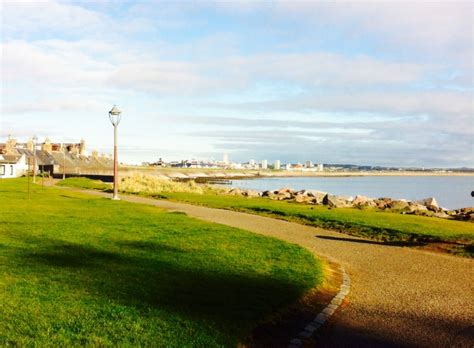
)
(64, 162)
(115, 116)
(35, 139)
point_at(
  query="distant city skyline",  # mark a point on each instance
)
(367, 83)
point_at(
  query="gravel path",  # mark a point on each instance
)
(399, 296)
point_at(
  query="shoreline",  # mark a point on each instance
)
(232, 174)
(361, 174)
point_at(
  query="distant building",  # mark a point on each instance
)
(52, 158)
(252, 163)
(159, 163)
(225, 158)
(277, 165)
(288, 166)
(308, 164)
(264, 164)
(320, 167)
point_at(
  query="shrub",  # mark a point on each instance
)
(148, 184)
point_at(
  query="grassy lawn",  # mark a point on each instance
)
(382, 226)
(81, 270)
(385, 226)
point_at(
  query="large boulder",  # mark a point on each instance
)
(285, 190)
(400, 205)
(383, 203)
(442, 215)
(417, 209)
(303, 193)
(334, 201)
(301, 198)
(363, 202)
(251, 193)
(235, 191)
(317, 195)
(283, 196)
(466, 214)
(348, 199)
(430, 203)
(269, 194)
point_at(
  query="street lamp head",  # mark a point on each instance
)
(115, 115)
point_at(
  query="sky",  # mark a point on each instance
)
(369, 83)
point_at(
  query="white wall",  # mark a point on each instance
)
(13, 170)
(7, 170)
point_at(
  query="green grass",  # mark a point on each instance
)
(81, 182)
(385, 226)
(382, 226)
(81, 270)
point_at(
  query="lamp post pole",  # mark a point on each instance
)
(35, 138)
(115, 116)
(64, 162)
(115, 197)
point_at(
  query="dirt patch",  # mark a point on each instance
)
(282, 327)
(460, 249)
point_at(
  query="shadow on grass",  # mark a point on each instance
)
(148, 274)
(365, 241)
(391, 236)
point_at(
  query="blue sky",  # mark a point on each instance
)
(383, 83)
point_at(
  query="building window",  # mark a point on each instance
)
(2, 170)
(11, 170)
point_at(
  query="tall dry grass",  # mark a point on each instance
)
(141, 183)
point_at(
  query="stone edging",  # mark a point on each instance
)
(325, 314)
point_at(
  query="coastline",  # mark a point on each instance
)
(235, 174)
(350, 174)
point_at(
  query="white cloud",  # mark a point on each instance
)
(440, 25)
(324, 69)
(55, 105)
(50, 63)
(24, 18)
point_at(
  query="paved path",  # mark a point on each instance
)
(399, 296)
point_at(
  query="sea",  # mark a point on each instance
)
(451, 192)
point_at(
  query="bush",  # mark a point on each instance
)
(148, 184)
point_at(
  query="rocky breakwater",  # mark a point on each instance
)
(424, 207)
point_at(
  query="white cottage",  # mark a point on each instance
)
(13, 166)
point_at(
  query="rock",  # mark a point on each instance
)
(442, 215)
(400, 205)
(299, 198)
(430, 203)
(251, 193)
(417, 209)
(383, 203)
(285, 191)
(318, 196)
(304, 199)
(465, 214)
(359, 200)
(363, 202)
(330, 200)
(284, 196)
(348, 199)
(335, 201)
(303, 193)
(235, 191)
